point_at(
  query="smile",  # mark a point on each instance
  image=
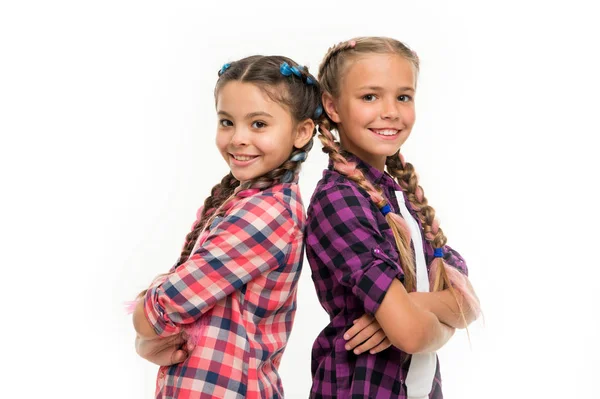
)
(242, 159)
(385, 132)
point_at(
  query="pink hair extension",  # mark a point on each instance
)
(419, 193)
(247, 192)
(349, 169)
(459, 282)
(401, 223)
(130, 306)
(435, 225)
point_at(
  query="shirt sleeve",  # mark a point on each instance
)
(343, 235)
(253, 238)
(454, 259)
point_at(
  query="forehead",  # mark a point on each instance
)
(243, 97)
(381, 70)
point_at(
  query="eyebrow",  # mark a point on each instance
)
(248, 116)
(379, 88)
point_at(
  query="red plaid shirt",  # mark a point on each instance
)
(237, 294)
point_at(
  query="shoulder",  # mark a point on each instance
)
(338, 201)
(278, 204)
(335, 188)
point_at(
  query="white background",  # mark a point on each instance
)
(107, 122)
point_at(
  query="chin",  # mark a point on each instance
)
(389, 151)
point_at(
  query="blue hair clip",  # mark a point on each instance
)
(224, 68)
(309, 81)
(438, 253)
(385, 209)
(285, 69)
(318, 111)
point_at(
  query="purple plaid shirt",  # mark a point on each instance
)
(353, 258)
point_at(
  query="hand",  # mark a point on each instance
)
(162, 351)
(366, 335)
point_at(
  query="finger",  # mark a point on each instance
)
(362, 336)
(178, 356)
(359, 324)
(370, 343)
(381, 347)
(147, 347)
(167, 356)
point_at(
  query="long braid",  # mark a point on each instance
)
(396, 223)
(329, 63)
(219, 193)
(442, 276)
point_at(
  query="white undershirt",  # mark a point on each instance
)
(419, 379)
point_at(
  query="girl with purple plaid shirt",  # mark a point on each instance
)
(393, 297)
(219, 321)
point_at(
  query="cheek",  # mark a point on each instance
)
(221, 142)
(409, 116)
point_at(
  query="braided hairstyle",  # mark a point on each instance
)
(301, 95)
(297, 91)
(332, 69)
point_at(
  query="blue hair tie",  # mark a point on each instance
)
(438, 253)
(224, 68)
(385, 209)
(309, 81)
(296, 72)
(318, 111)
(301, 156)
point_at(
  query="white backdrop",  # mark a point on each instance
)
(107, 122)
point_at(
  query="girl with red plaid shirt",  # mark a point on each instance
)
(219, 321)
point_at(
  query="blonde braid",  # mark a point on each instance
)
(396, 223)
(407, 178)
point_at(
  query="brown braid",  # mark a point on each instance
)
(218, 195)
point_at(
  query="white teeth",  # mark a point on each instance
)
(386, 132)
(242, 158)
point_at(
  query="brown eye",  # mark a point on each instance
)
(404, 98)
(258, 125)
(369, 97)
(225, 123)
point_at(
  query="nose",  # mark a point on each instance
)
(240, 137)
(389, 109)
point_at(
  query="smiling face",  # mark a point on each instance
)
(375, 109)
(255, 134)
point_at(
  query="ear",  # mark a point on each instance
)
(330, 107)
(304, 132)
